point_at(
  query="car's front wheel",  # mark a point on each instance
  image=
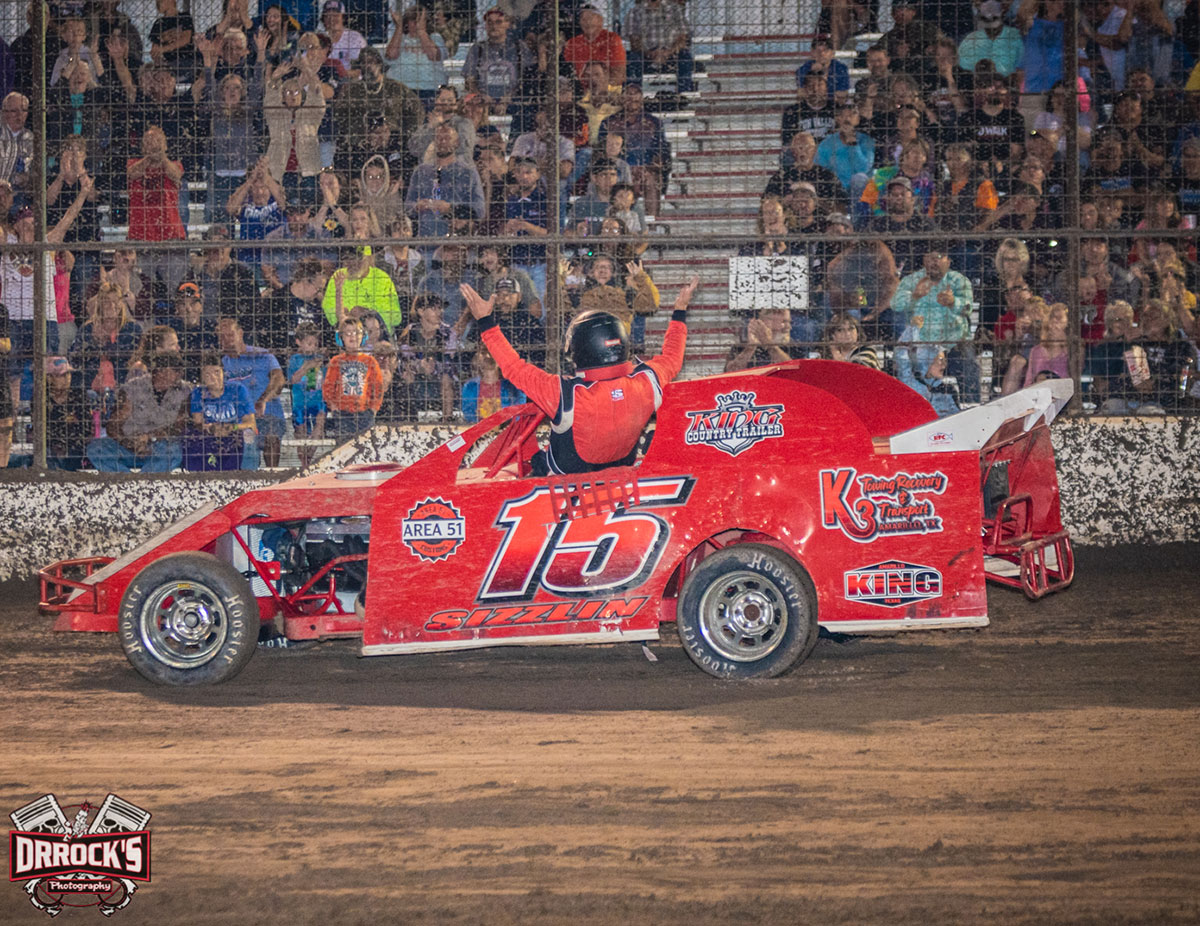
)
(188, 619)
(748, 611)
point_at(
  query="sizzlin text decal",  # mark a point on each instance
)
(864, 507)
(553, 612)
(736, 424)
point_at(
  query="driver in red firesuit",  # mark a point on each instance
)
(597, 415)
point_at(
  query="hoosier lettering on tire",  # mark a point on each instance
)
(748, 611)
(188, 619)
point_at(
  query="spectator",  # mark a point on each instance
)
(346, 44)
(228, 285)
(154, 184)
(297, 303)
(1162, 214)
(658, 38)
(493, 265)
(315, 48)
(835, 77)
(993, 127)
(1112, 168)
(68, 421)
(353, 387)
(331, 219)
(156, 101)
(935, 304)
(393, 407)
(197, 335)
(911, 39)
(598, 101)
(74, 33)
(375, 94)
(257, 369)
(106, 342)
(1041, 22)
(16, 141)
(877, 84)
(379, 191)
(812, 112)
(60, 198)
(155, 339)
(223, 424)
(145, 429)
(632, 299)
(258, 207)
(861, 280)
(588, 210)
(76, 108)
(1144, 143)
(646, 147)
(233, 111)
(527, 218)
(540, 144)
(945, 102)
(844, 341)
(306, 377)
(520, 321)
(1048, 359)
(487, 391)
(595, 43)
(625, 207)
(1008, 269)
(171, 40)
(885, 116)
(849, 153)
(1167, 353)
(922, 367)
(772, 225)
(993, 41)
(448, 270)
(493, 66)
(475, 111)
(445, 110)
(802, 167)
(416, 54)
(359, 282)
(282, 31)
(901, 218)
(402, 263)
(1113, 282)
(279, 261)
(1121, 377)
(445, 194)
(964, 197)
(293, 108)
(765, 339)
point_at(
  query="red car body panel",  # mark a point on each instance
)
(843, 468)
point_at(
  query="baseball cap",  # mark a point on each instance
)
(58, 365)
(805, 186)
(187, 290)
(990, 10)
(525, 159)
(635, 84)
(368, 53)
(602, 164)
(900, 180)
(506, 285)
(840, 218)
(333, 6)
(20, 211)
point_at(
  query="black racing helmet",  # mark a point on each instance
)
(597, 339)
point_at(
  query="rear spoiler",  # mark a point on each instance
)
(973, 428)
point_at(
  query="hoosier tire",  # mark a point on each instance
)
(188, 619)
(748, 611)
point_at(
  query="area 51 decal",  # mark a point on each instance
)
(864, 507)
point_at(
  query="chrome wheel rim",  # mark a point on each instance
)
(743, 616)
(184, 624)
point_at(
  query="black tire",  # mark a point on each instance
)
(748, 611)
(188, 619)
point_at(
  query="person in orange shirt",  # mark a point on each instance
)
(353, 387)
(597, 415)
(595, 43)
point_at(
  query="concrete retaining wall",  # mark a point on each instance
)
(1123, 481)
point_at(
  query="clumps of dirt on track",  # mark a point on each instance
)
(1042, 770)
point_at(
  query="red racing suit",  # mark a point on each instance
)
(596, 417)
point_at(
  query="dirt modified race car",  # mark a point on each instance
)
(768, 504)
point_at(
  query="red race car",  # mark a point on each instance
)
(766, 504)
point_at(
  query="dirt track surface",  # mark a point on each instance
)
(1043, 770)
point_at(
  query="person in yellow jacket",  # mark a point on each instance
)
(358, 282)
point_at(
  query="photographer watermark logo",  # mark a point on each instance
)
(85, 861)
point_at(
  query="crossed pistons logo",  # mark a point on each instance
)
(71, 863)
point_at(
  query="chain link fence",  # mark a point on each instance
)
(235, 235)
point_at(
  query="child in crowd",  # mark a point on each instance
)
(306, 376)
(223, 424)
(353, 386)
(487, 391)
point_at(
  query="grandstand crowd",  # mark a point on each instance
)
(322, 161)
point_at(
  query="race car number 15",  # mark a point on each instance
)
(606, 552)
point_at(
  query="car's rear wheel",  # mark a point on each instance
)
(748, 611)
(188, 619)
